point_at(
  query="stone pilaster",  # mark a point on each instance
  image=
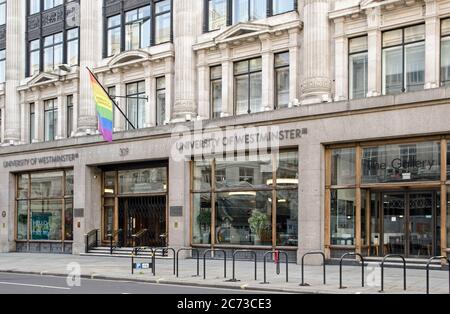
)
(316, 86)
(61, 128)
(119, 121)
(170, 78)
(204, 105)
(374, 52)
(268, 73)
(341, 61)
(15, 69)
(90, 54)
(24, 119)
(38, 117)
(227, 82)
(432, 45)
(150, 93)
(294, 66)
(187, 25)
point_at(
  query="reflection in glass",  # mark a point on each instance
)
(343, 208)
(68, 220)
(392, 70)
(108, 211)
(287, 218)
(46, 184)
(244, 218)
(415, 66)
(217, 14)
(201, 218)
(46, 220)
(202, 176)
(22, 220)
(343, 166)
(394, 223)
(287, 171)
(22, 186)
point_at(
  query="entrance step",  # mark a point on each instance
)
(123, 252)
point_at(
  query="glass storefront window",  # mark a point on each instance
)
(244, 218)
(343, 207)
(69, 183)
(22, 186)
(22, 220)
(245, 173)
(202, 176)
(109, 183)
(343, 166)
(46, 220)
(401, 163)
(68, 220)
(201, 218)
(287, 218)
(47, 184)
(287, 171)
(143, 181)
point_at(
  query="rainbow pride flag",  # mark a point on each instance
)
(104, 106)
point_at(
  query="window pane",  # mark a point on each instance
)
(282, 92)
(48, 59)
(201, 218)
(34, 62)
(162, 6)
(358, 75)
(69, 183)
(281, 6)
(35, 6)
(287, 218)
(240, 11)
(161, 107)
(287, 172)
(217, 14)
(244, 173)
(72, 33)
(2, 13)
(68, 220)
(255, 64)
(392, 70)
(202, 176)
(358, 44)
(241, 67)
(114, 21)
(256, 93)
(132, 36)
(343, 166)
(445, 59)
(143, 181)
(244, 218)
(22, 220)
(108, 215)
(415, 66)
(109, 183)
(46, 184)
(113, 41)
(22, 186)
(343, 208)
(399, 163)
(415, 33)
(445, 30)
(46, 220)
(282, 59)
(162, 33)
(145, 34)
(242, 95)
(72, 52)
(258, 9)
(393, 38)
(216, 98)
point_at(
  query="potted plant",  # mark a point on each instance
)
(259, 223)
(204, 222)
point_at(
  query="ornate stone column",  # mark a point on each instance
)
(187, 25)
(15, 69)
(316, 85)
(341, 61)
(90, 53)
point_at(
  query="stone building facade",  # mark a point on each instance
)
(354, 92)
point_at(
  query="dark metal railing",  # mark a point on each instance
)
(224, 261)
(303, 284)
(163, 250)
(234, 263)
(91, 240)
(428, 270)
(138, 236)
(278, 265)
(382, 269)
(112, 243)
(198, 259)
(340, 268)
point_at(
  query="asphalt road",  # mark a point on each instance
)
(35, 284)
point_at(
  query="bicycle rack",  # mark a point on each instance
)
(198, 259)
(382, 270)
(287, 265)
(234, 263)
(340, 268)
(303, 284)
(134, 254)
(428, 270)
(224, 261)
(162, 249)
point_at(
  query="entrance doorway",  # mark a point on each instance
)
(408, 223)
(143, 213)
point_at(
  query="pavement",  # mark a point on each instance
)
(119, 269)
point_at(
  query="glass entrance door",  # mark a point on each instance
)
(409, 223)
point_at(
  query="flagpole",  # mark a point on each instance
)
(120, 110)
